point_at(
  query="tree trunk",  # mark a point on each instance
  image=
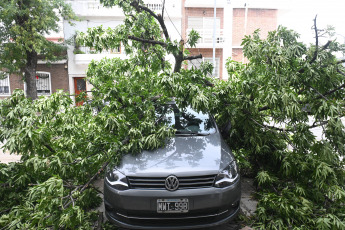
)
(178, 62)
(30, 75)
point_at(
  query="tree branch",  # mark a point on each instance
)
(264, 108)
(341, 72)
(341, 61)
(154, 42)
(160, 19)
(140, 8)
(226, 129)
(94, 176)
(163, 8)
(89, 182)
(49, 148)
(5, 211)
(268, 127)
(316, 42)
(301, 70)
(208, 83)
(192, 57)
(320, 94)
(326, 45)
(321, 123)
(155, 98)
(337, 63)
(332, 91)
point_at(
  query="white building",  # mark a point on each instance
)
(93, 14)
(234, 19)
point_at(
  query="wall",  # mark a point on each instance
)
(237, 55)
(58, 73)
(201, 12)
(265, 19)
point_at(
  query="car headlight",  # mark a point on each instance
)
(227, 176)
(116, 179)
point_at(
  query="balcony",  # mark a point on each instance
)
(94, 8)
(206, 40)
(84, 55)
(155, 7)
(204, 4)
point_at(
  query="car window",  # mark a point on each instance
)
(185, 120)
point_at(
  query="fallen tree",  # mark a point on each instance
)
(264, 110)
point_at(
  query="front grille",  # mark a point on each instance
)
(178, 220)
(159, 182)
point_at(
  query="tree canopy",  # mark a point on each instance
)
(23, 26)
(266, 111)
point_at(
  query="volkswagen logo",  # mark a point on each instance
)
(171, 183)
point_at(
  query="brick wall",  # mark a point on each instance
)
(16, 82)
(263, 19)
(59, 76)
(208, 53)
(58, 73)
(237, 55)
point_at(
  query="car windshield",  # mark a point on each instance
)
(186, 121)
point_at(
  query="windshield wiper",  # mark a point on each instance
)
(190, 133)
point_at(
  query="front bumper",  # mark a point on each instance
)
(137, 209)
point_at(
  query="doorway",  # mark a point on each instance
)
(79, 87)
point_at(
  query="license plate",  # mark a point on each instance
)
(172, 205)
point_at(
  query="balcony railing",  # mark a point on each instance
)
(95, 8)
(155, 7)
(84, 55)
(88, 50)
(207, 36)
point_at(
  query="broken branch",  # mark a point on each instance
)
(316, 42)
(154, 42)
(193, 57)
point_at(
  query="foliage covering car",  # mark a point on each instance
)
(192, 182)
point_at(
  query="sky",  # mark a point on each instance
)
(299, 15)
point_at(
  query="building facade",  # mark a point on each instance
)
(93, 14)
(234, 20)
(50, 77)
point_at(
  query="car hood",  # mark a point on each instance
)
(181, 156)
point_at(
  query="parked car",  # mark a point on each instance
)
(192, 182)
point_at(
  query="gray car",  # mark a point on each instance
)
(192, 182)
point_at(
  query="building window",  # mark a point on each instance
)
(216, 68)
(4, 85)
(197, 62)
(43, 83)
(204, 26)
